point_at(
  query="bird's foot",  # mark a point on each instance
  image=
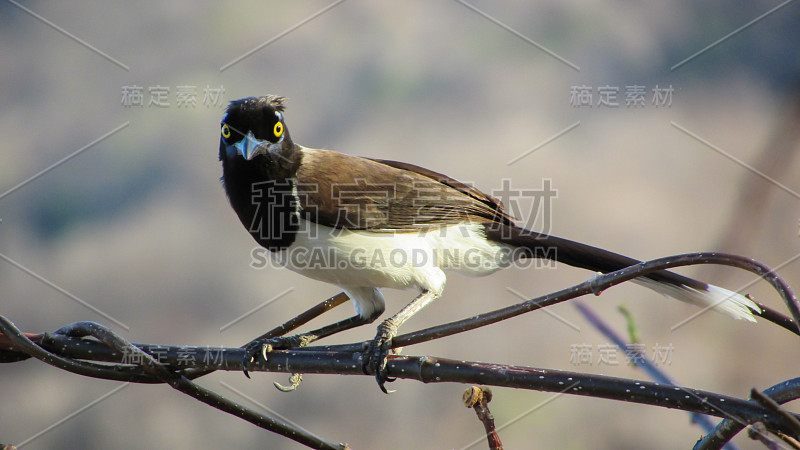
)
(264, 346)
(377, 354)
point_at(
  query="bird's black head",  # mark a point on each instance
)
(254, 126)
(259, 164)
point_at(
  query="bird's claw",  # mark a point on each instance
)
(264, 346)
(376, 356)
(295, 380)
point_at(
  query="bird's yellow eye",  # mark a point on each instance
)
(278, 129)
(226, 132)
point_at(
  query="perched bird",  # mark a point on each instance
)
(365, 224)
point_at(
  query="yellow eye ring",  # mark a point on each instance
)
(226, 132)
(278, 129)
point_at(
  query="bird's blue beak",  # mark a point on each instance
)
(250, 146)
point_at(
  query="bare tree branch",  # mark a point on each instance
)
(154, 369)
(93, 350)
(724, 431)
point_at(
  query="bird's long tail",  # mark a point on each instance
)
(598, 260)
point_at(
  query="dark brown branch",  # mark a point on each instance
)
(772, 405)
(435, 370)
(158, 371)
(724, 431)
(162, 364)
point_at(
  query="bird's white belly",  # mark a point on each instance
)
(394, 260)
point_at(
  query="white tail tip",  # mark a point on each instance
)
(719, 299)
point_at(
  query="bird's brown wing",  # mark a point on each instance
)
(381, 195)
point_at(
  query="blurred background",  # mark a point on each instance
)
(702, 155)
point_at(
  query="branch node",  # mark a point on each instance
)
(478, 398)
(594, 285)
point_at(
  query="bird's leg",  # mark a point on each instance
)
(301, 340)
(376, 356)
(305, 317)
(304, 339)
(265, 345)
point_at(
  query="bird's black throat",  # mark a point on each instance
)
(262, 191)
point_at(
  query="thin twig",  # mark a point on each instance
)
(781, 393)
(772, 405)
(478, 398)
(600, 283)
